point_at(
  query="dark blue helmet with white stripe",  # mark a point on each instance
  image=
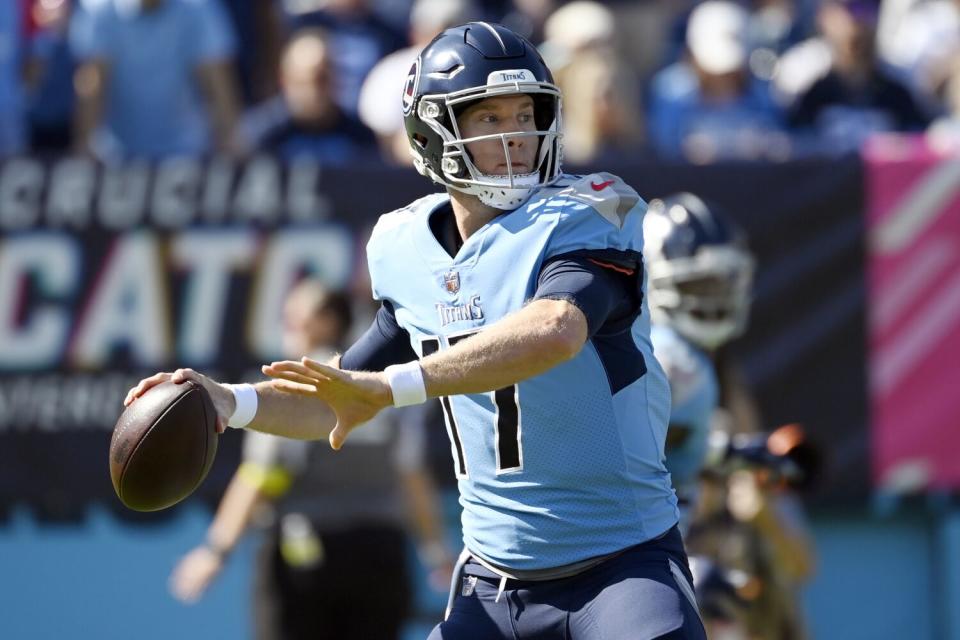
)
(464, 64)
(699, 268)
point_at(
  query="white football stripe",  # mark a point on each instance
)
(924, 334)
(917, 209)
(906, 285)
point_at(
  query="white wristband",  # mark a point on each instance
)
(246, 399)
(406, 383)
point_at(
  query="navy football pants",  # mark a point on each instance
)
(645, 592)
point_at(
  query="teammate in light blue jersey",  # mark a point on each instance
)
(695, 393)
(700, 275)
(518, 298)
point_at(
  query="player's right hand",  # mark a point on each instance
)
(220, 395)
(194, 573)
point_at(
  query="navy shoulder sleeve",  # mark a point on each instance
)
(602, 284)
(383, 344)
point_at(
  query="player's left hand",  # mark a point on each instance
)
(354, 396)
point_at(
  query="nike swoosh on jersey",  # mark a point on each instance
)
(601, 186)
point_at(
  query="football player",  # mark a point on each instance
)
(700, 275)
(517, 296)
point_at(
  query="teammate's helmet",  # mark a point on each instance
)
(468, 63)
(700, 271)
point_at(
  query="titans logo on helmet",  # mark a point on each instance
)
(410, 86)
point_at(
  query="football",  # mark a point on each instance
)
(163, 446)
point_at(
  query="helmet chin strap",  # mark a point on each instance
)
(498, 193)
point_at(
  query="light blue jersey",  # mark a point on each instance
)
(567, 465)
(695, 393)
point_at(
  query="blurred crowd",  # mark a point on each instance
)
(675, 79)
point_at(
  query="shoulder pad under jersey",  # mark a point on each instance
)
(398, 217)
(593, 212)
(606, 193)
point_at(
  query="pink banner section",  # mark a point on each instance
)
(913, 222)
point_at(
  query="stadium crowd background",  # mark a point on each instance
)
(761, 80)
(672, 82)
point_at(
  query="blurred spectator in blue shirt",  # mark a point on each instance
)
(857, 96)
(708, 106)
(359, 38)
(154, 79)
(305, 119)
(13, 48)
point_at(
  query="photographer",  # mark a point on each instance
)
(749, 522)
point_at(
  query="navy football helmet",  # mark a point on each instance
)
(700, 271)
(472, 62)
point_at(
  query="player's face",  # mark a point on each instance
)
(494, 116)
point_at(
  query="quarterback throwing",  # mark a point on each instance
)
(517, 297)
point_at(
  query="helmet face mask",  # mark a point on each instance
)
(700, 272)
(468, 64)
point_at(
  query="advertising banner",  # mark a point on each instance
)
(913, 213)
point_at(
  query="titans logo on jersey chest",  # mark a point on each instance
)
(449, 313)
(470, 310)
